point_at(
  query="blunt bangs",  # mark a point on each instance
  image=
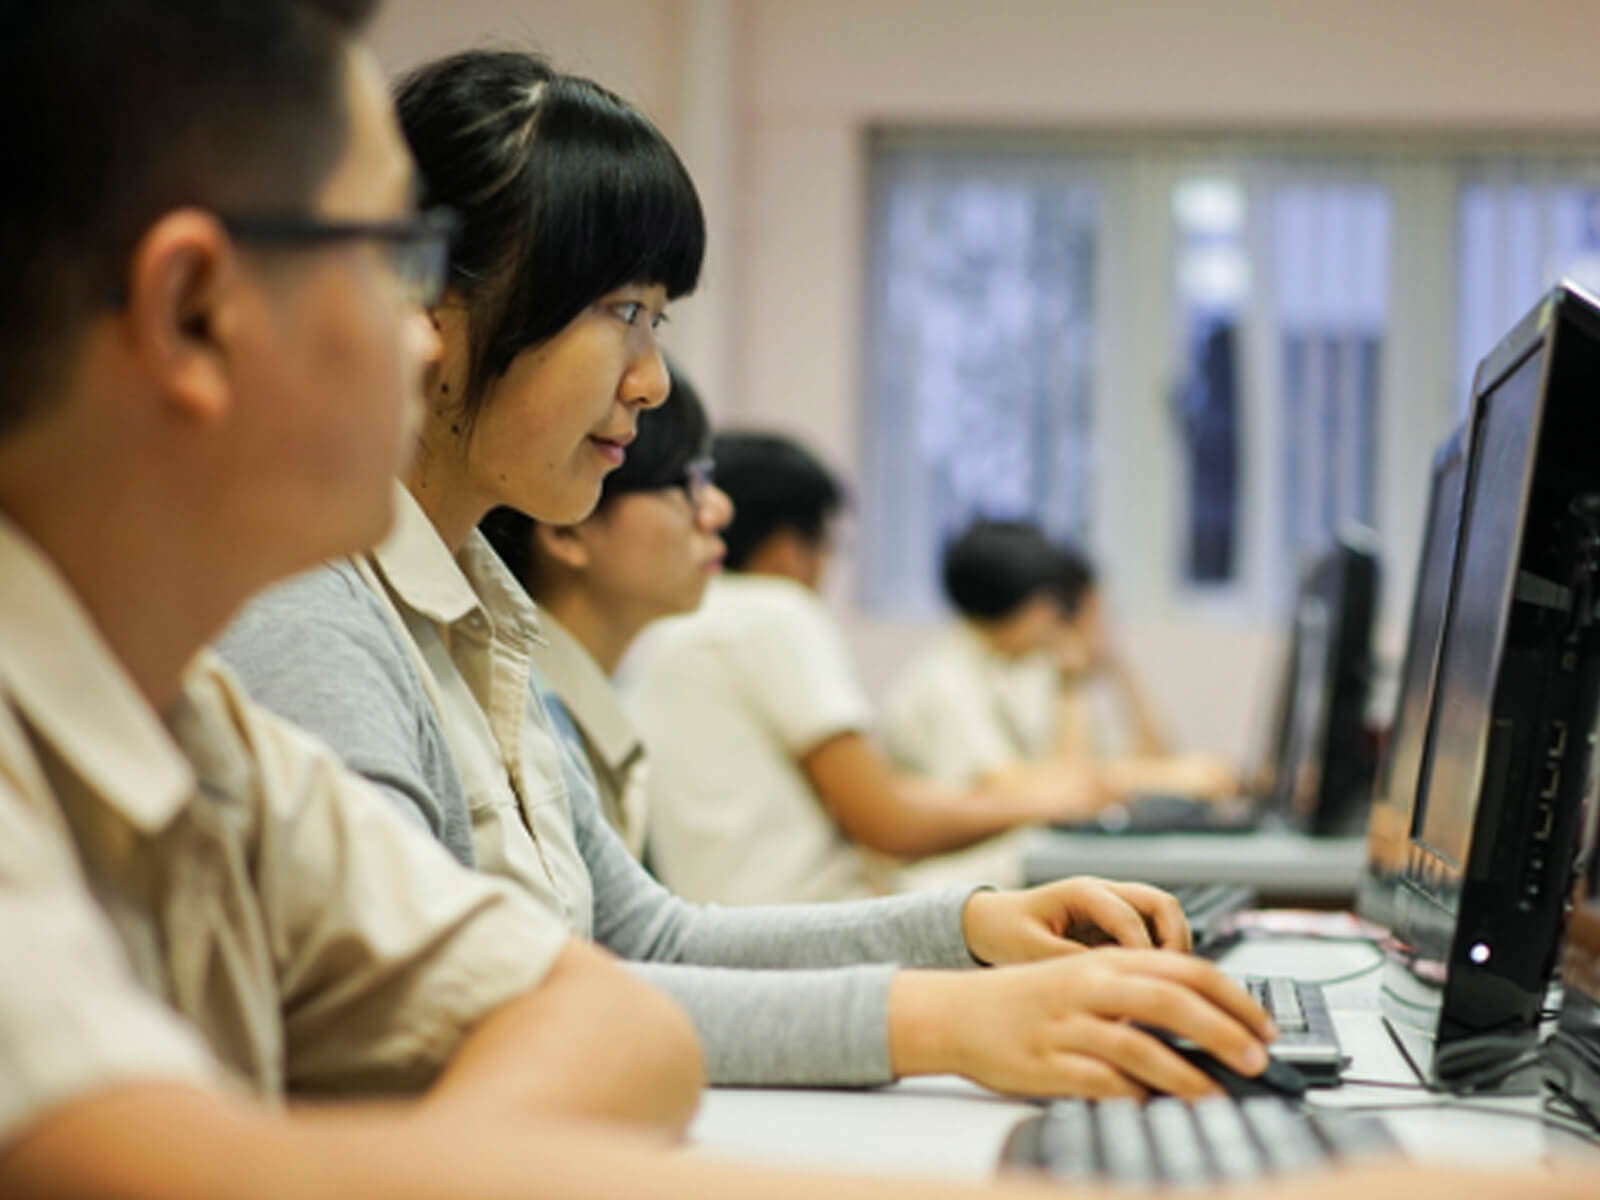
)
(611, 205)
(565, 193)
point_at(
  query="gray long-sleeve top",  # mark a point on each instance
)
(793, 994)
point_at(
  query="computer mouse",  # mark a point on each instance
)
(1279, 1079)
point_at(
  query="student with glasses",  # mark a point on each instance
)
(201, 912)
(416, 662)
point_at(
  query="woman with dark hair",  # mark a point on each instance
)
(415, 661)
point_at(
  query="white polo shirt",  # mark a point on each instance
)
(729, 701)
(960, 710)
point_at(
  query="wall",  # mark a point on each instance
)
(769, 100)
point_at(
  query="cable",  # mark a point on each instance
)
(1255, 934)
(1362, 973)
(1577, 1114)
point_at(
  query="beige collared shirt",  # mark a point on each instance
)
(212, 898)
(473, 632)
(610, 742)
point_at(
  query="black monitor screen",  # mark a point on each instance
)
(1302, 756)
(1390, 822)
(1324, 771)
(1475, 628)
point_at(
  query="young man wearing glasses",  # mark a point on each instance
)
(212, 356)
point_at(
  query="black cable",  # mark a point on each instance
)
(1385, 1083)
(1579, 1119)
(1253, 933)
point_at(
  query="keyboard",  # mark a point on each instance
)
(1169, 1143)
(1155, 812)
(1306, 1035)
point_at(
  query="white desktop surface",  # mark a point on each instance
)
(952, 1129)
(1273, 862)
(940, 1126)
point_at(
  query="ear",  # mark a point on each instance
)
(447, 373)
(562, 544)
(182, 278)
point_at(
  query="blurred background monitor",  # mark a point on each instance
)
(1399, 770)
(1323, 773)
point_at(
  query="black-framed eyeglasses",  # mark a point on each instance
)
(417, 248)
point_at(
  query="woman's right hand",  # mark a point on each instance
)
(1070, 1026)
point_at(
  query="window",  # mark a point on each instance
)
(1330, 259)
(1523, 227)
(1202, 357)
(982, 311)
(1212, 284)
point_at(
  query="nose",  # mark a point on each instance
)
(647, 383)
(715, 510)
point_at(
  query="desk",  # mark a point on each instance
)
(951, 1129)
(1278, 864)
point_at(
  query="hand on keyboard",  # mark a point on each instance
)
(1068, 916)
(1064, 1027)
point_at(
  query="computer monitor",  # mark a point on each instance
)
(1399, 768)
(1505, 762)
(1323, 775)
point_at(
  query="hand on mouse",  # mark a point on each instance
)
(1064, 1026)
(1069, 916)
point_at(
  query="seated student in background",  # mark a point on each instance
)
(764, 784)
(984, 695)
(210, 368)
(416, 662)
(1028, 673)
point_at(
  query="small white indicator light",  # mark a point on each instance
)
(1479, 953)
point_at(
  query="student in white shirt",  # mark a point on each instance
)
(765, 784)
(983, 695)
(1028, 672)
